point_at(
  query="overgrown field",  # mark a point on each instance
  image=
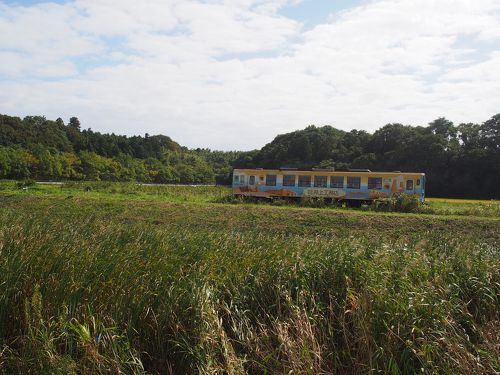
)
(124, 279)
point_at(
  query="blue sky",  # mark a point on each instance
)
(31, 2)
(310, 12)
(231, 74)
(314, 12)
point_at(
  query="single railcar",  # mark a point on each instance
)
(361, 185)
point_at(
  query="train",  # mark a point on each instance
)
(350, 185)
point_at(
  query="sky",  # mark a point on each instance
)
(232, 74)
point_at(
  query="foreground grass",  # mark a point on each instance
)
(96, 283)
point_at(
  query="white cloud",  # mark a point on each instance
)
(105, 17)
(233, 74)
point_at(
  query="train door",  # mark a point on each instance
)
(422, 188)
(243, 180)
(410, 186)
(251, 183)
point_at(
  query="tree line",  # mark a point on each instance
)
(459, 160)
(41, 149)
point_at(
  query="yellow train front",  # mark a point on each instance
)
(354, 184)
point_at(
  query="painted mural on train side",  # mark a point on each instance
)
(336, 185)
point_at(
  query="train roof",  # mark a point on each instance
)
(325, 170)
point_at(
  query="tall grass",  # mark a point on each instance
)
(181, 193)
(83, 291)
(222, 194)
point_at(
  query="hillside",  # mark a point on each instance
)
(37, 148)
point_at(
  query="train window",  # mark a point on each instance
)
(409, 185)
(305, 181)
(242, 180)
(353, 182)
(251, 180)
(288, 180)
(418, 181)
(236, 179)
(320, 181)
(375, 183)
(271, 180)
(337, 182)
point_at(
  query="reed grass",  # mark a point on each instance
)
(96, 285)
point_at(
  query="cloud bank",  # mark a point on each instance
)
(231, 74)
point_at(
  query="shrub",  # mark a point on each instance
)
(312, 202)
(400, 203)
(279, 202)
(230, 199)
(24, 184)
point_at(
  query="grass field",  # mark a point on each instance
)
(470, 207)
(119, 278)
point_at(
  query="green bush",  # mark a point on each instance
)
(24, 184)
(406, 203)
(229, 198)
(279, 202)
(312, 202)
(400, 203)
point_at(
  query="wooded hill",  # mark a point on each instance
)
(460, 161)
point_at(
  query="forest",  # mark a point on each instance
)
(459, 160)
